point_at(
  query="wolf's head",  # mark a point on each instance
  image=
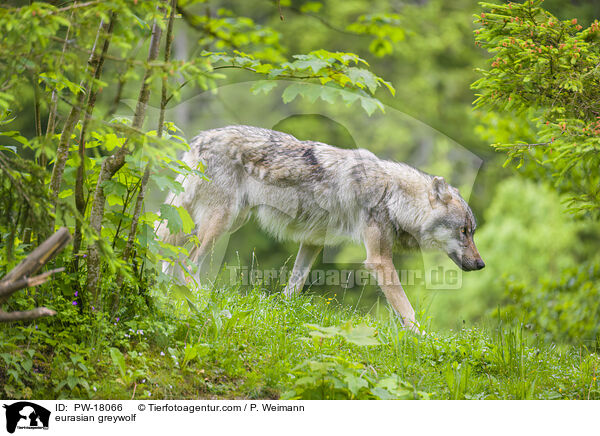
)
(450, 226)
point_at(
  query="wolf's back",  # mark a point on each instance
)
(267, 155)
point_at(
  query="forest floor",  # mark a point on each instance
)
(255, 345)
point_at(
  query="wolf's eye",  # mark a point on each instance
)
(463, 230)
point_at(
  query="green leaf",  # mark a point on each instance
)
(16, 136)
(182, 291)
(187, 222)
(111, 141)
(171, 214)
(381, 47)
(355, 383)
(329, 94)
(10, 148)
(114, 200)
(118, 360)
(311, 7)
(382, 394)
(291, 92)
(114, 187)
(167, 182)
(72, 381)
(314, 64)
(66, 193)
(360, 76)
(27, 364)
(370, 105)
(362, 334)
(264, 86)
(323, 332)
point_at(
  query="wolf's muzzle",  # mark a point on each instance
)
(467, 263)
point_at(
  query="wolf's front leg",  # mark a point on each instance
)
(380, 264)
(389, 282)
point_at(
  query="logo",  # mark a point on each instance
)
(26, 415)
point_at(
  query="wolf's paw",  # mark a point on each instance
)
(416, 329)
(412, 326)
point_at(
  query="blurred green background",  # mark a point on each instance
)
(524, 234)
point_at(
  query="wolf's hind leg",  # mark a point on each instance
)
(215, 224)
(304, 260)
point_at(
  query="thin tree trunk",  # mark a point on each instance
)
(182, 110)
(79, 195)
(159, 132)
(111, 165)
(62, 151)
(115, 104)
(54, 101)
(36, 105)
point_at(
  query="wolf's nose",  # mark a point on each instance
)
(480, 263)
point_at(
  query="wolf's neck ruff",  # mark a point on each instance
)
(317, 194)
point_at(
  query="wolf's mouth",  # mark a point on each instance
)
(470, 265)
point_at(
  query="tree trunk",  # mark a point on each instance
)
(62, 152)
(109, 168)
(159, 133)
(79, 196)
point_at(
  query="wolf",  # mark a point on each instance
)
(317, 194)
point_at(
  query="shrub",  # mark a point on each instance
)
(562, 310)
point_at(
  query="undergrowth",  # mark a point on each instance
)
(255, 344)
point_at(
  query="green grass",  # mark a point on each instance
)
(258, 345)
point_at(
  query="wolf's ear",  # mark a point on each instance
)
(440, 192)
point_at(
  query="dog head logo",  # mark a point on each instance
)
(26, 415)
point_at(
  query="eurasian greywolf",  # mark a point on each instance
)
(316, 194)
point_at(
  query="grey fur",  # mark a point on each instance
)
(317, 194)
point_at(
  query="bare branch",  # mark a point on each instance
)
(6, 289)
(18, 277)
(27, 315)
(80, 5)
(75, 5)
(538, 144)
(38, 257)
(322, 20)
